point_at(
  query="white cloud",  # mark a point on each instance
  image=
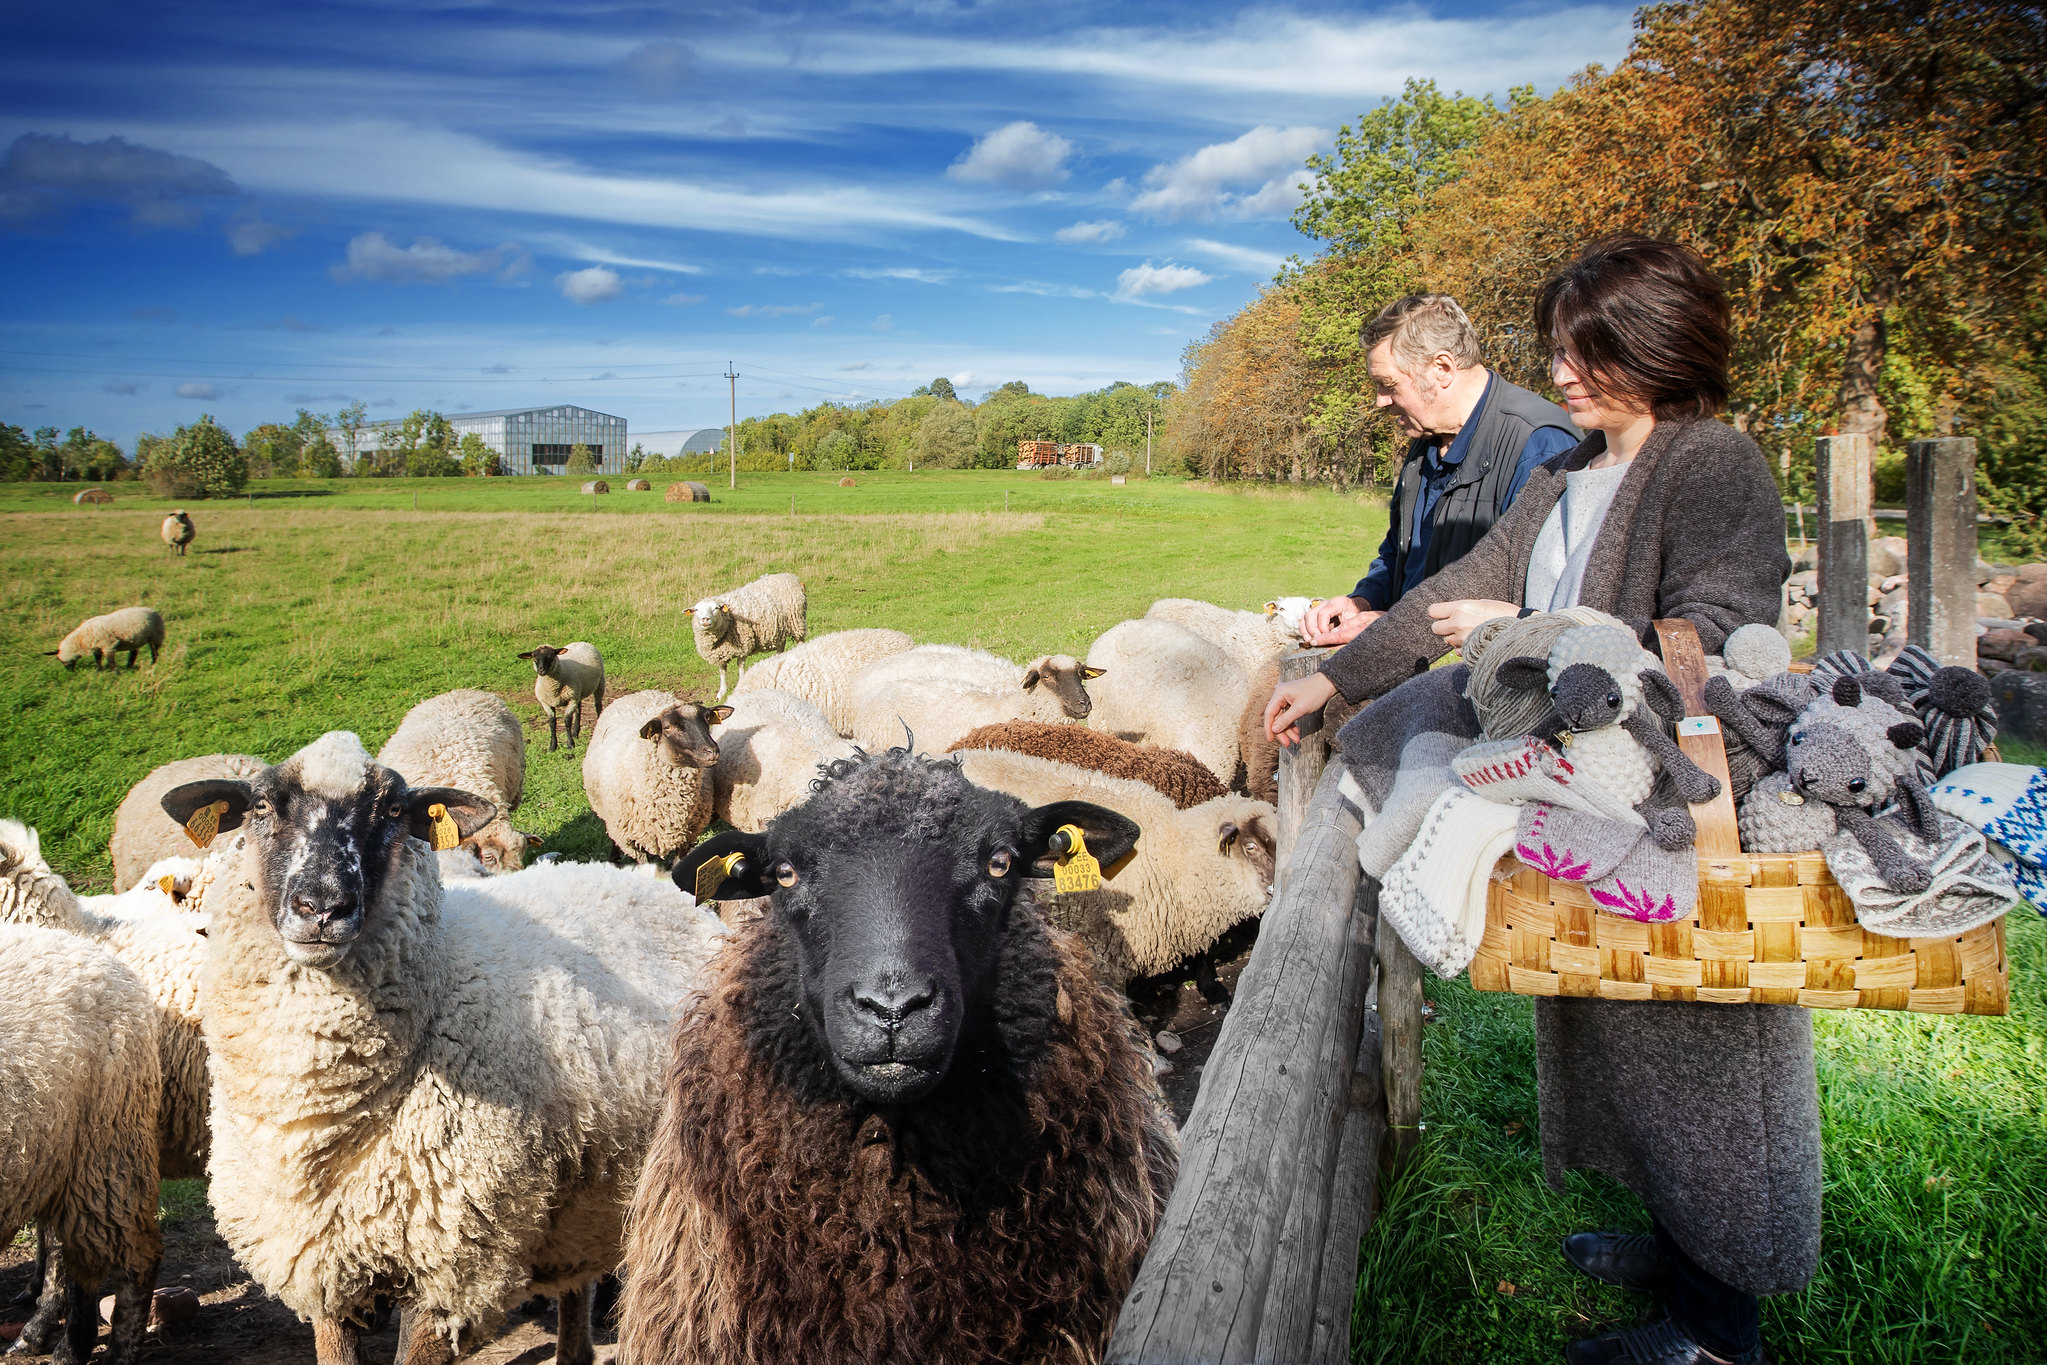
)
(824, 321)
(658, 68)
(773, 310)
(123, 388)
(882, 322)
(1021, 155)
(1144, 281)
(373, 256)
(859, 365)
(962, 379)
(586, 287)
(683, 300)
(252, 236)
(1103, 230)
(597, 255)
(1242, 258)
(900, 272)
(207, 391)
(1256, 175)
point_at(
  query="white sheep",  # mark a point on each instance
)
(769, 613)
(439, 1092)
(1256, 641)
(1165, 685)
(1287, 613)
(1196, 872)
(80, 1086)
(143, 834)
(769, 749)
(131, 628)
(178, 531)
(469, 740)
(644, 772)
(563, 677)
(821, 671)
(940, 692)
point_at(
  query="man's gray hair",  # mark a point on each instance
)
(1421, 325)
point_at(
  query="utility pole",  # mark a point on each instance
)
(1147, 442)
(732, 432)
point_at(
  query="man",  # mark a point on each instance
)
(1472, 441)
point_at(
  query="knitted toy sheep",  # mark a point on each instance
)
(1754, 723)
(1858, 754)
(1613, 710)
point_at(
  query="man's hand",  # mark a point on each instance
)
(1325, 615)
(1455, 620)
(1292, 700)
(1346, 629)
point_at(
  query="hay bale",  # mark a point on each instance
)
(689, 490)
(91, 495)
(846, 482)
(596, 486)
(638, 486)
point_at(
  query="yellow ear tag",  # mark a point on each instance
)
(167, 884)
(205, 823)
(1790, 798)
(712, 875)
(441, 831)
(1076, 869)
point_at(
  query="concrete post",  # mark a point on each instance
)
(1842, 471)
(1940, 529)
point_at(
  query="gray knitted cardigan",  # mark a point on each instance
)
(1696, 530)
(1709, 1113)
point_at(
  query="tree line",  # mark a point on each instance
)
(1866, 175)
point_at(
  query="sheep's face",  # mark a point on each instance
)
(1587, 697)
(500, 848)
(543, 657)
(895, 883)
(711, 615)
(1064, 675)
(1827, 763)
(682, 734)
(324, 831)
(1245, 831)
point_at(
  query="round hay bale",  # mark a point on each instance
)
(688, 491)
(846, 482)
(596, 486)
(638, 486)
(91, 495)
(699, 492)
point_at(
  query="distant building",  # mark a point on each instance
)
(1041, 454)
(530, 440)
(686, 441)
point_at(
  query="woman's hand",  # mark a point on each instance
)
(1292, 700)
(1455, 620)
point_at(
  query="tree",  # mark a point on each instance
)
(349, 424)
(200, 460)
(580, 462)
(477, 458)
(17, 456)
(941, 389)
(272, 450)
(90, 457)
(425, 443)
(835, 451)
(318, 459)
(635, 457)
(49, 460)
(945, 438)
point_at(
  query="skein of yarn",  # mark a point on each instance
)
(1504, 711)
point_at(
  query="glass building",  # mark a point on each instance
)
(538, 440)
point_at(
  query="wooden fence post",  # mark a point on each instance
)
(1300, 766)
(1940, 558)
(1842, 472)
(1400, 1024)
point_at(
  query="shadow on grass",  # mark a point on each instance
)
(232, 550)
(581, 840)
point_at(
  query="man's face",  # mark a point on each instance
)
(1411, 400)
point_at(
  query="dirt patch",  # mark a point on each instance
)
(1173, 1003)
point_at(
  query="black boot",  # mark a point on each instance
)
(1657, 1343)
(1631, 1261)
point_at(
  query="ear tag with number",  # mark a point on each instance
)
(441, 830)
(205, 823)
(1076, 869)
(712, 875)
(167, 884)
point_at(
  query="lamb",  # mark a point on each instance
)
(908, 1123)
(766, 614)
(78, 1132)
(131, 628)
(939, 692)
(440, 1093)
(1177, 776)
(1196, 873)
(563, 678)
(644, 772)
(770, 746)
(178, 531)
(468, 740)
(1168, 686)
(1256, 642)
(821, 671)
(143, 834)
(1287, 613)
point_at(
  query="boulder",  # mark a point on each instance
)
(1990, 604)
(2028, 596)
(1807, 558)
(2000, 583)
(2031, 660)
(2003, 644)
(1887, 555)
(2021, 702)
(2029, 572)
(2037, 629)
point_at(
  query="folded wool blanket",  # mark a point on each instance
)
(1969, 886)
(2008, 802)
(1621, 866)
(1396, 754)
(1434, 895)
(1518, 771)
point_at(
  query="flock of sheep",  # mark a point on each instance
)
(418, 1072)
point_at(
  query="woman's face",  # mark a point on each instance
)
(1590, 410)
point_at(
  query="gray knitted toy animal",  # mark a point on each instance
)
(1859, 754)
(1776, 819)
(1614, 712)
(1754, 723)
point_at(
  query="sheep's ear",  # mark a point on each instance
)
(208, 807)
(1906, 735)
(1524, 673)
(1662, 695)
(718, 715)
(742, 880)
(1031, 678)
(652, 729)
(527, 655)
(50, 653)
(534, 841)
(469, 812)
(1847, 692)
(1111, 838)
(1090, 673)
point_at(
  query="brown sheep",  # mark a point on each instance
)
(1174, 773)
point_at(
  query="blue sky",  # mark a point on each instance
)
(243, 210)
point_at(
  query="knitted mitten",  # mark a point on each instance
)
(1652, 883)
(1434, 895)
(1517, 771)
(1569, 845)
(2008, 802)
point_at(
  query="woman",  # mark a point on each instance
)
(1709, 1113)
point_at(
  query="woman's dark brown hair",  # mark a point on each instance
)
(1647, 320)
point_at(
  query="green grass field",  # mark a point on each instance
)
(312, 607)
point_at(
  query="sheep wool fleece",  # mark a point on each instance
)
(460, 1107)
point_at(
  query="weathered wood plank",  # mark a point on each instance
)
(1940, 555)
(1400, 1020)
(1842, 471)
(1300, 765)
(1353, 1200)
(1202, 1290)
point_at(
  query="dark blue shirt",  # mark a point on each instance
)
(1439, 470)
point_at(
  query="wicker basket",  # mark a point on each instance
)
(1770, 928)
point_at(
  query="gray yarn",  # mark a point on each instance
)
(1505, 712)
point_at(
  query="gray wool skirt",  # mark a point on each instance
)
(1709, 1113)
